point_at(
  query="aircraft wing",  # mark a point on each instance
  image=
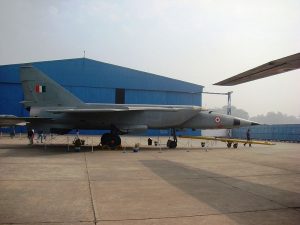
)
(11, 120)
(282, 65)
(229, 140)
(121, 109)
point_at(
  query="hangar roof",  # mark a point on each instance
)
(88, 72)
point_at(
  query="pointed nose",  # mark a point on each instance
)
(247, 123)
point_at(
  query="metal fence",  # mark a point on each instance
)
(280, 132)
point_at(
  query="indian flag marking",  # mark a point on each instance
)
(40, 88)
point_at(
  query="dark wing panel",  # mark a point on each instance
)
(282, 65)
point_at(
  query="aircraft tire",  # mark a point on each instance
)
(110, 140)
(105, 139)
(172, 144)
(115, 141)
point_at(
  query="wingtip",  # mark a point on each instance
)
(222, 83)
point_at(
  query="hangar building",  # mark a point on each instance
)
(93, 81)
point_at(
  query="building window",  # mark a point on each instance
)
(120, 96)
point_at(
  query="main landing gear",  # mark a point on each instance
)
(172, 143)
(112, 139)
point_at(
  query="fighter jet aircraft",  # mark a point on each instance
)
(53, 109)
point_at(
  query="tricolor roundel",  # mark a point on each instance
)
(40, 88)
(217, 119)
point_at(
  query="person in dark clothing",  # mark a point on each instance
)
(30, 135)
(248, 138)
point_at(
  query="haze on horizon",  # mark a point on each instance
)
(201, 42)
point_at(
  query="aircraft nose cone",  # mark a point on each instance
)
(246, 123)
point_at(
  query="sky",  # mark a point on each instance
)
(198, 41)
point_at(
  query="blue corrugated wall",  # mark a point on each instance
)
(94, 81)
(280, 132)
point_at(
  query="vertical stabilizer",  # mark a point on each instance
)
(40, 90)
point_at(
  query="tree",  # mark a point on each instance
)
(275, 118)
(234, 112)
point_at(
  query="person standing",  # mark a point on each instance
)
(30, 135)
(40, 136)
(248, 138)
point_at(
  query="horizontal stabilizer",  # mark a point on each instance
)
(11, 120)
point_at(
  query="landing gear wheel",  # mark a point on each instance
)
(235, 145)
(229, 145)
(110, 140)
(171, 144)
(105, 139)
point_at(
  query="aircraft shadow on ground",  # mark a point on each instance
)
(39, 150)
(221, 196)
(26, 150)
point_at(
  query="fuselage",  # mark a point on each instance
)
(137, 117)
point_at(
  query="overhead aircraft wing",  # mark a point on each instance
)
(282, 65)
(11, 120)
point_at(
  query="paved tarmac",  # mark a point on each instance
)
(247, 186)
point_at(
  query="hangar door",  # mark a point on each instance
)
(120, 96)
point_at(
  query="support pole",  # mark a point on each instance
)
(229, 132)
(228, 103)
